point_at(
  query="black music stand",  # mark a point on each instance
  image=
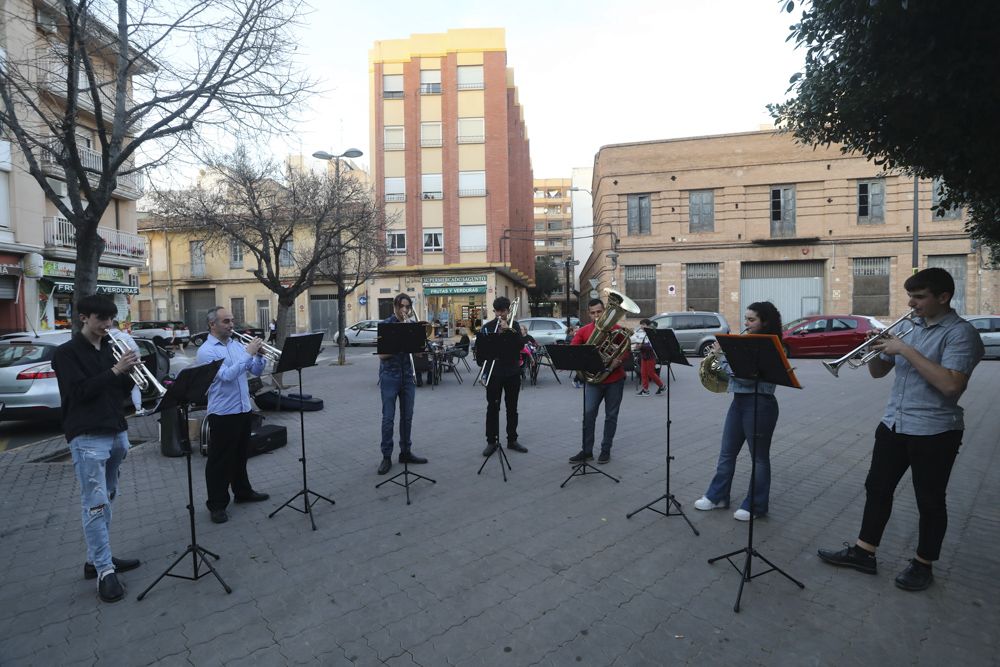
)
(300, 351)
(760, 358)
(667, 351)
(497, 348)
(190, 387)
(402, 338)
(582, 358)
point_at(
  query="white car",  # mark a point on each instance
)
(988, 327)
(364, 332)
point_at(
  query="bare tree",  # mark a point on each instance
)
(149, 75)
(297, 225)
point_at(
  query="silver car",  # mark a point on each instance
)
(545, 330)
(695, 329)
(988, 327)
(364, 332)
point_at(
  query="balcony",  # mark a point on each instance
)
(51, 77)
(130, 186)
(60, 235)
(193, 271)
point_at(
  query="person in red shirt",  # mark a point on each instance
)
(610, 391)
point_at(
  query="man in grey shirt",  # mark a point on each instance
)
(922, 427)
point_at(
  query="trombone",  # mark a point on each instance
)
(270, 352)
(868, 354)
(142, 376)
(484, 375)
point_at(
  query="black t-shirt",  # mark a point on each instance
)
(92, 395)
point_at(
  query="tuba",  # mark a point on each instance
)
(611, 343)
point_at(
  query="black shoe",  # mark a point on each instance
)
(385, 466)
(853, 556)
(407, 457)
(490, 448)
(121, 565)
(582, 457)
(604, 457)
(109, 589)
(420, 383)
(516, 446)
(219, 516)
(916, 577)
(660, 390)
(254, 497)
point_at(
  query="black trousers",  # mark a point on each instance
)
(228, 444)
(510, 387)
(930, 459)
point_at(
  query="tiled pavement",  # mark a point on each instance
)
(479, 572)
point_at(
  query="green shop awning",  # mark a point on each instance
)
(102, 288)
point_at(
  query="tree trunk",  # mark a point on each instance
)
(89, 247)
(286, 326)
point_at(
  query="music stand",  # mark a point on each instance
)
(667, 351)
(584, 358)
(300, 351)
(402, 338)
(492, 349)
(190, 387)
(760, 358)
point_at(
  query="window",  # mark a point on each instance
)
(871, 202)
(539, 243)
(539, 226)
(392, 86)
(395, 243)
(871, 286)
(395, 189)
(238, 308)
(430, 82)
(430, 134)
(5, 200)
(640, 285)
(286, 254)
(235, 256)
(431, 186)
(553, 210)
(472, 184)
(470, 77)
(471, 130)
(703, 287)
(197, 250)
(472, 238)
(638, 214)
(434, 239)
(783, 211)
(843, 324)
(938, 192)
(393, 138)
(701, 211)
(539, 210)
(555, 226)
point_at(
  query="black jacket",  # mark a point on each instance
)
(92, 395)
(504, 369)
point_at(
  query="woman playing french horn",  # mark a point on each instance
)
(761, 318)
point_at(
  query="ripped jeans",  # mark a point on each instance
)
(97, 459)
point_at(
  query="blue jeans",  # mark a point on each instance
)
(593, 394)
(97, 460)
(396, 383)
(737, 430)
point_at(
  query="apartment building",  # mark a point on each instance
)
(37, 245)
(553, 237)
(718, 222)
(450, 159)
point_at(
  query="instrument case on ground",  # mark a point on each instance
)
(272, 400)
(267, 438)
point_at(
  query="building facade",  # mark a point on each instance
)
(553, 237)
(715, 223)
(38, 245)
(450, 160)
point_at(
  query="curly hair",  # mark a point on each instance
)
(769, 316)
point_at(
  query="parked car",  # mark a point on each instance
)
(545, 330)
(28, 386)
(695, 329)
(363, 333)
(989, 329)
(827, 335)
(255, 332)
(161, 332)
(182, 336)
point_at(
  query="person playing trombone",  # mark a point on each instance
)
(502, 378)
(922, 425)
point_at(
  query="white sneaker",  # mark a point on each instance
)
(704, 503)
(741, 515)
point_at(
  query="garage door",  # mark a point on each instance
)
(196, 304)
(796, 288)
(323, 314)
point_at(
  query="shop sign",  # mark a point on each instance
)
(10, 270)
(470, 289)
(67, 288)
(454, 281)
(68, 270)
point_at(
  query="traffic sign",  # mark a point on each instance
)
(362, 300)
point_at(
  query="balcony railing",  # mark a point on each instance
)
(395, 196)
(472, 192)
(193, 271)
(130, 185)
(60, 233)
(51, 77)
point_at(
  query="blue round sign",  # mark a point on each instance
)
(362, 300)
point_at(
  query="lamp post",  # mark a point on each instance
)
(569, 263)
(341, 297)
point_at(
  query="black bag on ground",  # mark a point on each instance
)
(266, 439)
(272, 400)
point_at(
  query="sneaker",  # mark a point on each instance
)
(916, 577)
(705, 504)
(661, 390)
(582, 457)
(642, 392)
(605, 455)
(741, 515)
(852, 556)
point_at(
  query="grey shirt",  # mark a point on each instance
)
(915, 406)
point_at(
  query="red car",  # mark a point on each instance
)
(827, 335)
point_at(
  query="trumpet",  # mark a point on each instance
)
(270, 352)
(142, 376)
(866, 354)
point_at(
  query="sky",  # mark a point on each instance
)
(588, 73)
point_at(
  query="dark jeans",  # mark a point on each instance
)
(593, 394)
(930, 459)
(738, 429)
(229, 441)
(511, 388)
(396, 383)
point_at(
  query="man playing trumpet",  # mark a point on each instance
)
(922, 426)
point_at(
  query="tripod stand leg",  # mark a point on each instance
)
(780, 571)
(211, 569)
(680, 512)
(166, 572)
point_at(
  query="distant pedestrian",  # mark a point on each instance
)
(272, 336)
(647, 360)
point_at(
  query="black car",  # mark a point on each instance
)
(253, 332)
